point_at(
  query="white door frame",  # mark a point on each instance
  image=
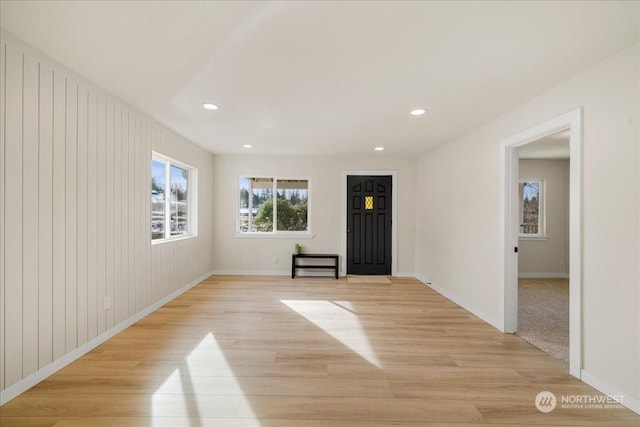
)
(509, 226)
(394, 213)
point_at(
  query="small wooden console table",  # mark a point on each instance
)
(295, 257)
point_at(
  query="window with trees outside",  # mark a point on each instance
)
(531, 208)
(172, 199)
(273, 205)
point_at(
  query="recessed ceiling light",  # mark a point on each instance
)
(248, 146)
(379, 148)
(210, 106)
(418, 112)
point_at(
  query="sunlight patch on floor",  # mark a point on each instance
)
(339, 320)
(202, 387)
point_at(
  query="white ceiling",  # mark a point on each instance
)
(553, 147)
(324, 77)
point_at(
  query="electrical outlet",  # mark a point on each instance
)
(107, 303)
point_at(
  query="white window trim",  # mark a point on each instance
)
(192, 199)
(275, 234)
(542, 214)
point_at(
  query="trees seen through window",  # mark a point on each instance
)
(257, 198)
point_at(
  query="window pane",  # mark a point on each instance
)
(245, 188)
(292, 208)
(530, 191)
(256, 204)
(157, 199)
(179, 201)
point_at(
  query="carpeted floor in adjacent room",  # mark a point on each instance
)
(543, 315)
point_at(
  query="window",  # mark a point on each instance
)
(258, 197)
(173, 191)
(532, 209)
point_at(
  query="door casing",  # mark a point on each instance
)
(571, 120)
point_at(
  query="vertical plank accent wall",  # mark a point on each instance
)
(75, 212)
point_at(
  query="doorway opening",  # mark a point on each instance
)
(512, 220)
(543, 244)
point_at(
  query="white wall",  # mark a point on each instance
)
(241, 255)
(457, 241)
(75, 213)
(548, 257)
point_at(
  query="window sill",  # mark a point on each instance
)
(532, 237)
(280, 235)
(172, 239)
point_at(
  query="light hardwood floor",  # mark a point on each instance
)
(261, 351)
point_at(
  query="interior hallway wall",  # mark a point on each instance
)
(458, 246)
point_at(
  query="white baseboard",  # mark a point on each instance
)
(543, 275)
(456, 299)
(252, 272)
(285, 273)
(308, 273)
(25, 384)
(628, 401)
